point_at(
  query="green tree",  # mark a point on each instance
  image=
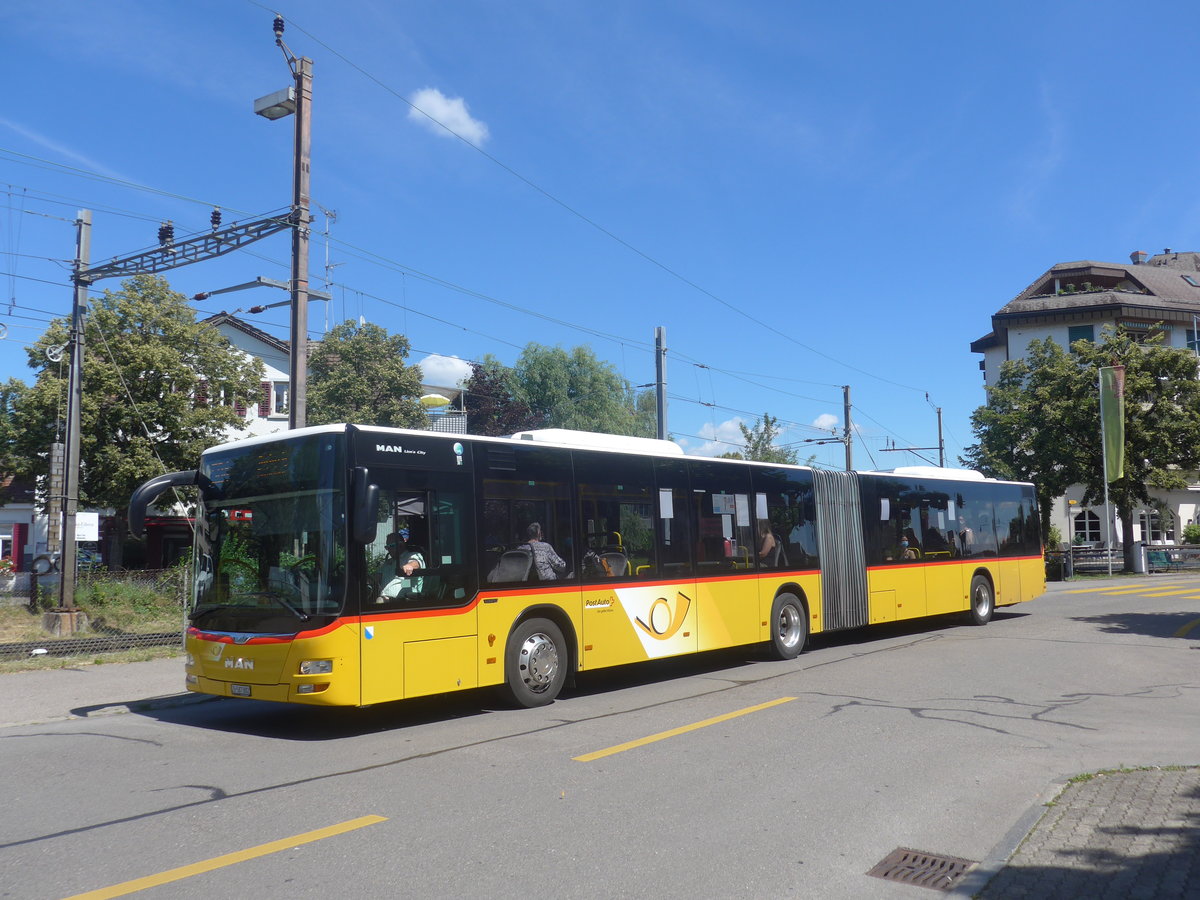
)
(1042, 422)
(11, 393)
(158, 388)
(577, 390)
(492, 405)
(358, 374)
(760, 443)
(1030, 428)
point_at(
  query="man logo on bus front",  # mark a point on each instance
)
(664, 622)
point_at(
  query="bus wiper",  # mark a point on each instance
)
(302, 616)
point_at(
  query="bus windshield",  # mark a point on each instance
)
(271, 537)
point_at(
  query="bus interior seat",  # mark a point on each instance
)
(514, 565)
(616, 564)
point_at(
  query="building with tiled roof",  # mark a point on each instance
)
(1076, 300)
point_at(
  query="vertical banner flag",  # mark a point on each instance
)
(1112, 420)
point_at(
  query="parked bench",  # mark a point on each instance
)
(1162, 561)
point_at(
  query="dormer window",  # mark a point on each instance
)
(1191, 279)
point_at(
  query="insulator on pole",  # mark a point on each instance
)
(279, 28)
(215, 218)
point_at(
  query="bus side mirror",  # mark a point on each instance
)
(365, 507)
(143, 496)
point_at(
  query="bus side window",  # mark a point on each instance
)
(616, 513)
(526, 485)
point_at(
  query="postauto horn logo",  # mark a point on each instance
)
(665, 620)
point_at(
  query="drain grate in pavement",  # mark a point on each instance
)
(922, 869)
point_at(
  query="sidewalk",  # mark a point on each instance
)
(1127, 834)
(48, 695)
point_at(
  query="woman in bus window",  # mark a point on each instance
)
(766, 543)
(548, 564)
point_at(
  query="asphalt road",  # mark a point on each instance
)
(766, 779)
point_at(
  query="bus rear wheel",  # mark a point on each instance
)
(789, 626)
(983, 601)
(535, 663)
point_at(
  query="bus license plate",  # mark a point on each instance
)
(240, 690)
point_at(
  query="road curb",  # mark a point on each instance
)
(169, 701)
(997, 858)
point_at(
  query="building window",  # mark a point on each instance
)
(279, 405)
(1087, 527)
(1151, 526)
(1080, 333)
(1191, 279)
(1140, 332)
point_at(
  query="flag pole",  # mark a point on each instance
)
(1112, 430)
(1108, 522)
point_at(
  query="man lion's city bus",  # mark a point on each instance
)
(300, 595)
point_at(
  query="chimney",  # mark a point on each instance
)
(1138, 257)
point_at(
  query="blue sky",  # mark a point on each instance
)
(805, 195)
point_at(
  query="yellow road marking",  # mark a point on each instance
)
(217, 862)
(1119, 589)
(1182, 632)
(1191, 590)
(1128, 590)
(663, 735)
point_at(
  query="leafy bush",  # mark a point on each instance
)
(1191, 534)
(134, 602)
(1053, 538)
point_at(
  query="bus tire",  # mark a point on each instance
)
(789, 626)
(983, 601)
(535, 663)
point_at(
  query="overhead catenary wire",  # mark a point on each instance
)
(379, 259)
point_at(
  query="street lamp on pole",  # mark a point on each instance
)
(296, 100)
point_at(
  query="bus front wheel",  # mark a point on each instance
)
(983, 601)
(789, 626)
(535, 663)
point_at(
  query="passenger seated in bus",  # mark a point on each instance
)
(403, 558)
(907, 552)
(966, 537)
(768, 545)
(548, 564)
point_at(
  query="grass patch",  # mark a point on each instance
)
(120, 607)
(36, 663)
(18, 625)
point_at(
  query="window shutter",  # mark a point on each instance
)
(239, 407)
(201, 394)
(264, 400)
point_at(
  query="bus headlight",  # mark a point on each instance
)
(316, 667)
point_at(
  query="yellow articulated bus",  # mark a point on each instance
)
(347, 565)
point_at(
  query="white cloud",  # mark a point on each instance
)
(433, 109)
(718, 439)
(827, 421)
(444, 371)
